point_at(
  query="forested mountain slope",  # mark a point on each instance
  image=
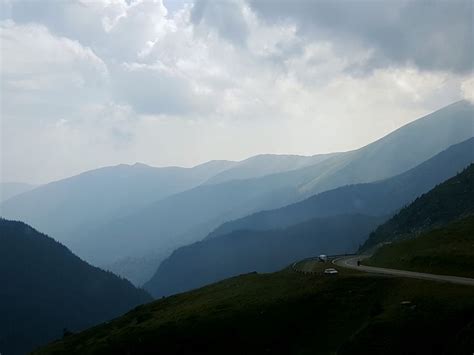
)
(45, 288)
(448, 201)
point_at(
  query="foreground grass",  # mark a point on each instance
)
(446, 251)
(292, 313)
(289, 312)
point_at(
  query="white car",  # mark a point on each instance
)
(331, 271)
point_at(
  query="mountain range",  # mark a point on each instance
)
(117, 214)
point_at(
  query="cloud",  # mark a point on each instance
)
(116, 29)
(434, 35)
(156, 89)
(92, 83)
(226, 17)
(467, 89)
(43, 150)
(46, 74)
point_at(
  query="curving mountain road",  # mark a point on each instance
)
(351, 263)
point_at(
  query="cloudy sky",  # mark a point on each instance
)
(93, 83)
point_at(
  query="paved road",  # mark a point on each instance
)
(351, 263)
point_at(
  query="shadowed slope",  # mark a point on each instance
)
(45, 288)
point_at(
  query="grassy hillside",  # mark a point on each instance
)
(448, 250)
(289, 312)
(448, 201)
(45, 288)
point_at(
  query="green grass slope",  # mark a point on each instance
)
(451, 200)
(448, 250)
(292, 313)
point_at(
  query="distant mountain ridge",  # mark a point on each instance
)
(102, 194)
(400, 150)
(378, 198)
(115, 191)
(11, 189)
(45, 288)
(266, 164)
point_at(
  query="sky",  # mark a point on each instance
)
(86, 84)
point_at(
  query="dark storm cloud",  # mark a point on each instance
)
(433, 35)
